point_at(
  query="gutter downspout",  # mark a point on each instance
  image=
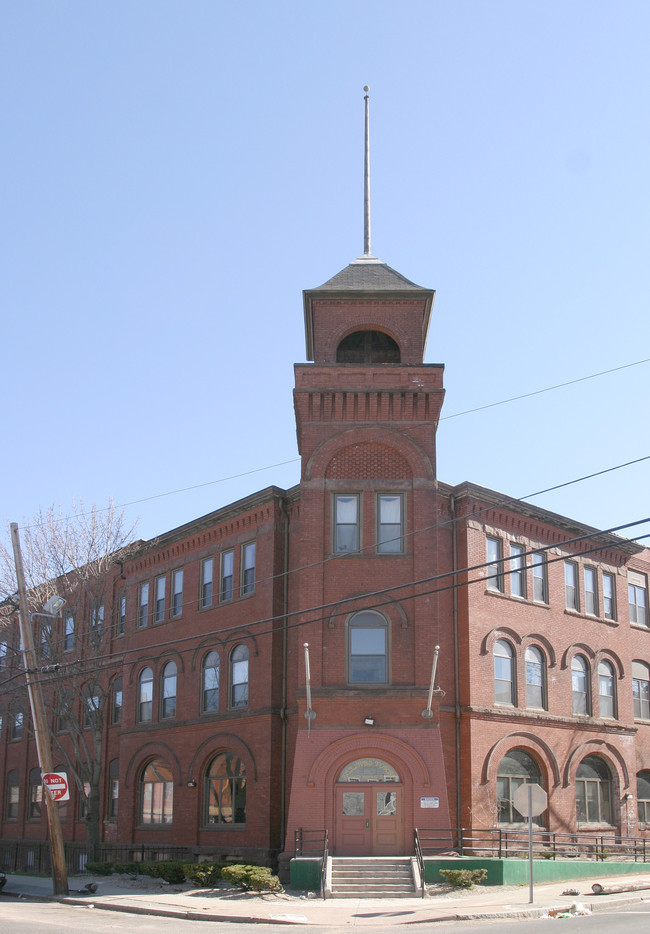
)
(454, 549)
(283, 711)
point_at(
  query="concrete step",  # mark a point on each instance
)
(372, 878)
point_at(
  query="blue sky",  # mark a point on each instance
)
(175, 173)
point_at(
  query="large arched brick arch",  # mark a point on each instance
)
(403, 757)
(596, 747)
(520, 740)
(392, 440)
(154, 750)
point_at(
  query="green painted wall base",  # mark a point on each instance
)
(305, 873)
(515, 871)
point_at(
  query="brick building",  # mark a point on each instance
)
(209, 742)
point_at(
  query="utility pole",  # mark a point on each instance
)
(41, 733)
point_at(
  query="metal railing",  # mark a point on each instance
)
(323, 868)
(504, 844)
(420, 859)
(314, 843)
(35, 856)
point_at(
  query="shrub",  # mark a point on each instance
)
(129, 869)
(100, 869)
(204, 875)
(255, 878)
(171, 870)
(463, 878)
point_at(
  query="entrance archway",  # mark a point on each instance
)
(369, 815)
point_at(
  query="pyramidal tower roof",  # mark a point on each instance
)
(368, 274)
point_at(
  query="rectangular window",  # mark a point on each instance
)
(540, 589)
(17, 726)
(390, 523)
(143, 605)
(495, 567)
(207, 578)
(609, 596)
(367, 652)
(159, 603)
(97, 616)
(248, 569)
(591, 591)
(346, 523)
(517, 570)
(641, 690)
(68, 633)
(571, 592)
(13, 797)
(637, 589)
(35, 800)
(177, 592)
(3, 654)
(116, 712)
(227, 571)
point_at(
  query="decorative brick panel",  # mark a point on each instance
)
(367, 461)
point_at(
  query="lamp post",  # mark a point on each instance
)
(41, 734)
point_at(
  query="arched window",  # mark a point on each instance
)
(168, 710)
(367, 648)
(113, 788)
(580, 685)
(35, 794)
(593, 792)
(606, 689)
(210, 688)
(156, 794)
(239, 676)
(641, 690)
(145, 695)
(368, 347)
(369, 770)
(225, 791)
(504, 673)
(535, 680)
(517, 768)
(13, 795)
(643, 796)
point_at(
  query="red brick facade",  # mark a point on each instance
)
(372, 563)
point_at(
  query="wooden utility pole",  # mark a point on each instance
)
(41, 732)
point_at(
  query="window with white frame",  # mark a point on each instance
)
(168, 701)
(494, 564)
(210, 683)
(68, 632)
(591, 591)
(159, 600)
(13, 795)
(113, 788)
(225, 791)
(535, 677)
(207, 582)
(156, 793)
(116, 707)
(248, 568)
(346, 523)
(35, 794)
(177, 593)
(97, 616)
(367, 633)
(637, 589)
(606, 689)
(517, 768)
(143, 605)
(145, 695)
(390, 523)
(517, 570)
(540, 589)
(227, 572)
(239, 676)
(121, 613)
(593, 792)
(571, 588)
(504, 673)
(643, 796)
(609, 595)
(641, 690)
(580, 685)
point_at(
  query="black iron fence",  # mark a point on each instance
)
(35, 856)
(503, 844)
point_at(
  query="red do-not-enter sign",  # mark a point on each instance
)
(57, 785)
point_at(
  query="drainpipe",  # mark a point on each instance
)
(454, 548)
(283, 711)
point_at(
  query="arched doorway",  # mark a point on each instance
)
(369, 812)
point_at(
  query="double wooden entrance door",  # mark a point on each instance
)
(369, 820)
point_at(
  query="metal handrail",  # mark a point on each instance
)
(323, 868)
(420, 858)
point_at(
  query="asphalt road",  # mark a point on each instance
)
(27, 917)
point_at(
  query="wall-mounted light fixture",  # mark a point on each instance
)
(191, 783)
(369, 721)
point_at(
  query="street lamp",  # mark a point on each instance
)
(41, 734)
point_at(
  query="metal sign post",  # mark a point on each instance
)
(530, 800)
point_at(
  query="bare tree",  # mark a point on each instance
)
(78, 557)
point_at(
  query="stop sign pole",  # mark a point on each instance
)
(41, 734)
(530, 800)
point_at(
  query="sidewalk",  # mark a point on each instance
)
(119, 893)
